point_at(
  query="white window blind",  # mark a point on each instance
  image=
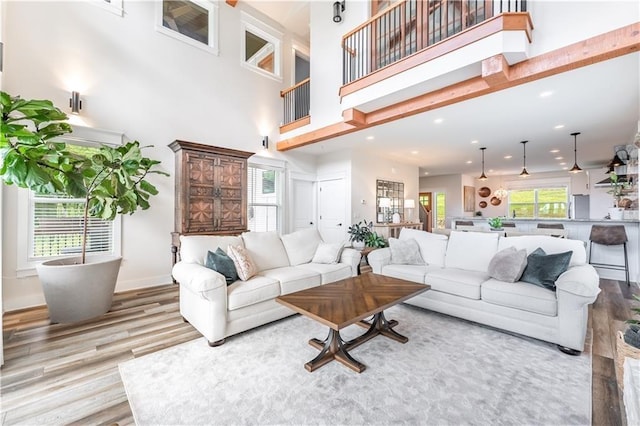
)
(57, 225)
(264, 195)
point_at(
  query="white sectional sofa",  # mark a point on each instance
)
(456, 268)
(284, 266)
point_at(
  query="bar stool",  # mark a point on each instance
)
(610, 235)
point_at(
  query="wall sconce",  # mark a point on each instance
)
(75, 103)
(265, 142)
(338, 8)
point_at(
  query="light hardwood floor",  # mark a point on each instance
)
(68, 374)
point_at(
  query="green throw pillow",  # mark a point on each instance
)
(222, 263)
(544, 269)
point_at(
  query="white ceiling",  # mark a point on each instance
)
(602, 101)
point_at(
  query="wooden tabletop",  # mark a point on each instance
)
(348, 301)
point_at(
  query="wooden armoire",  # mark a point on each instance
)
(211, 190)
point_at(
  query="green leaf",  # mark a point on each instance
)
(146, 186)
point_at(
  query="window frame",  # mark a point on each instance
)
(279, 192)
(536, 186)
(267, 33)
(25, 263)
(212, 43)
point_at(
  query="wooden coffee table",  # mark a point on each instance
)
(343, 303)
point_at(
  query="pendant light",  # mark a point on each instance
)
(482, 176)
(524, 172)
(575, 168)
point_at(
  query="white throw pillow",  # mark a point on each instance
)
(266, 249)
(405, 252)
(301, 245)
(328, 253)
(245, 266)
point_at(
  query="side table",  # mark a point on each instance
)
(363, 256)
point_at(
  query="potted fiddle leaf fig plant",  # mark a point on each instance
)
(111, 180)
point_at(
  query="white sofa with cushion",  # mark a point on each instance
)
(458, 270)
(284, 265)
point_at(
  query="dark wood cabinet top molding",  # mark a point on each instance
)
(208, 149)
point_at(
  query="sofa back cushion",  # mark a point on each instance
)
(471, 251)
(194, 248)
(266, 250)
(301, 245)
(551, 245)
(432, 246)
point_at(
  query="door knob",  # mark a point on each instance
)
(310, 223)
(339, 224)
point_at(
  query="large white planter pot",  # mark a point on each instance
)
(76, 292)
(616, 213)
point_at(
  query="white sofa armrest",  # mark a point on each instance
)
(352, 258)
(379, 258)
(580, 280)
(198, 278)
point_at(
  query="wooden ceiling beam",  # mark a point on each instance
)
(612, 44)
(232, 3)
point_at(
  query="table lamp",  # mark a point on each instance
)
(410, 204)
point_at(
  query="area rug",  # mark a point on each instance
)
(450, 372)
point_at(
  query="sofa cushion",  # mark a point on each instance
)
(508, 264)
(256, 290)
(543, 269)
(329, 273)
(405, 252)
(266, 249)
(551, 245)
(301, 245)
(471, 251)
(521, 296)
(220, 262)
(432, 246)
(460, 282)
(293, 278)
(245, 267)
(414, 273)
(194, 248)
(328, 253)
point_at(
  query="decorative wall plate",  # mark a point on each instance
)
(495, 201)
(483, 204)
(484, 192)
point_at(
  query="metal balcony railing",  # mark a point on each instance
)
(296, 101)
(411, 26)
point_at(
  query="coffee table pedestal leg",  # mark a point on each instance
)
(333, 347)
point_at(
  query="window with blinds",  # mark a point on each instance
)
(264, 198)
(56, 228)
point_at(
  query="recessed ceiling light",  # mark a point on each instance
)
(469, 162)
(474, 141)
(370, 138)
(426, 173)
(414, 152)
(565, 168)
(508, 156)
(553, 151)
(559, 158)
(562, 164)
(559, 126)
(438, 120)
(490, 170)
(546, 93)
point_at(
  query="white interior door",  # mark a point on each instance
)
(303, 205)
(331, 210)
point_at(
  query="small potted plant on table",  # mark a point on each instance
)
(495, 223)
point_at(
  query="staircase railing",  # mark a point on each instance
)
(411, 26)
(296, 101)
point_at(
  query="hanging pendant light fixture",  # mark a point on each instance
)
(575, 168)
(482, 176)
(524, 172)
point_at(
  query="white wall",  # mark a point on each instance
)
(366, 169)
(451, 186)
(152, 87)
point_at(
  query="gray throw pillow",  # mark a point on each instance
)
(405, 252)
(220, 262)
(544, 269)
(508, 264)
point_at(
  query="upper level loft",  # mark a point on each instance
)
(409, 33)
